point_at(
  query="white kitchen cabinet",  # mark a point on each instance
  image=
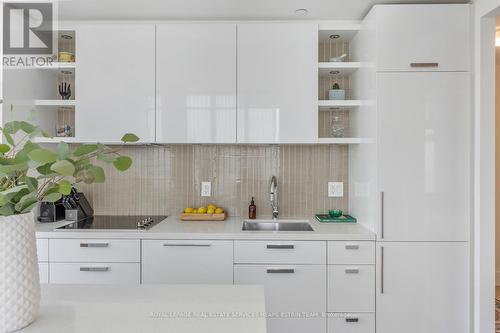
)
(351, 323)
(187, 261)
(351, 288)
(424, 160)
(423, 287)
(42, 249)
(196, 83)
(95, 250)
(432, 37)
(290, 289)
(43, 271)
(351, 252)
(115, 82)
(277, 83)
(94, 273)
(280, 252)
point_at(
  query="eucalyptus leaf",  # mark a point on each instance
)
(62, 150)
(26, 201)
(64, 187)
(31, 182)
(85, 149)
(52, 197)
(12, 127)
(122, 163)
(130, 137)
(98, 174)
(63, 167)
(7, 209)
(9, 138)
(4, 148)
(26, 127)
(106, 158)
(42, 156)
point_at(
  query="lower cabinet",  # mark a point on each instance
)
(43, 271)
(423, 287)
(95, 273)
(295, 295)
(351, 323)
(351, 288)
(187, 261)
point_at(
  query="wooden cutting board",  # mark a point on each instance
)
(203, 217)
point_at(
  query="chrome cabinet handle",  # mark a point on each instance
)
(94, 244)
(382, 214)
(352, 319)
(381, 269)
(94, 269)
(280, 270)
(280, 246)
(351, 270)
(187, 245)
(423, 64)
(352, 247)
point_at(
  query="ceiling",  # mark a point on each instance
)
(221, 9)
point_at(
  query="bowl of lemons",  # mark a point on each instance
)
(205, 213)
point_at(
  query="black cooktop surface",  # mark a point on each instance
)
(125, 222)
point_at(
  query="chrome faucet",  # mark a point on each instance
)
(273, 193)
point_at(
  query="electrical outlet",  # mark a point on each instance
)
(335, 189)
(206, 189)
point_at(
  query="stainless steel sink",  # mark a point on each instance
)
(279, 225)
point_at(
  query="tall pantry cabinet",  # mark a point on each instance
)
(420, 87)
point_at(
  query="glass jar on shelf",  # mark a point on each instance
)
(337, 126)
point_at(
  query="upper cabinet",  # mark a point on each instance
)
(115, 82)
(422, 37)
(196, 83)
(277, 83)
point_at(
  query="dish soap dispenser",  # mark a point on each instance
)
(252, 210)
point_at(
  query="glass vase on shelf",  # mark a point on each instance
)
(337, 126)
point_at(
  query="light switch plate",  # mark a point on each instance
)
(206, 189)
(335, 189)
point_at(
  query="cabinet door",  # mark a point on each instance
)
(291, 290)
(424, 167)
(277, 83)
(196, 83)
(187, 261)
(115, 82)
(429, 34)
(422, 287)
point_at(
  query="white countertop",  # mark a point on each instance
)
(150, 308)
(174, 228)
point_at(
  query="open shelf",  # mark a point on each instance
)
(56, 139)
(325, 105)
(337, 68)
(55, 102)
(345, 31)
(57, 66)
(340, 140)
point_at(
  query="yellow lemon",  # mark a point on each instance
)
(212, 206)
(202, 210)
(210, 210)
(188, 210)
(219, 211)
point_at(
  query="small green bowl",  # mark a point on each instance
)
(335, 213)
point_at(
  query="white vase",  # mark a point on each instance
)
(19, 280)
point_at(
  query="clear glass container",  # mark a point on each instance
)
(337, 127)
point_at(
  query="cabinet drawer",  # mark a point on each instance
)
(351, 288)
(187, 261)
(94, 250)
(280, 252)
(289, 288)
(42, 249)
(348, 253)
(93, 273)
(43, 271)
(351, 323)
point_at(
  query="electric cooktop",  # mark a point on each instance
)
(108, 222)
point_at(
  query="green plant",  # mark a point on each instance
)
(30, 173)
(335, 86)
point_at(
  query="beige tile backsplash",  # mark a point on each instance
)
(165, 179)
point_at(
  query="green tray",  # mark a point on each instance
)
(325, 218)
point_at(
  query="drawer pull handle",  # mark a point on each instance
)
(188, 245)
(424, 64)
(280, 270)
(352, 320)
(94, 269)
(352, 247)
(352, 271)
(280, 246)
(94, 244)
